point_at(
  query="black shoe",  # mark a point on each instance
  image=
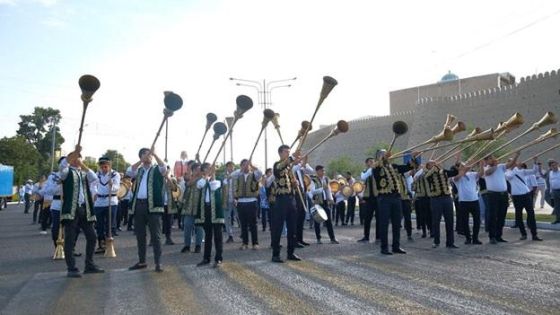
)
(119, 229)
(298, 245)
(158, 268)
(203, 262)
(304, 243)
(523, 237)
(476, 242)
(294, 257)
(334, 241)
(197, 249)
(229, 240)
(217, 264)
(493, 241)
(536, 238)
(363, 240)
(169, 242)
(501, 240)
(386, 252)
(129, 229)
(138, 266)
(115, 233)
(93, 269)
(185, 249)
(277, 259)
(399, 251)
(468, 242)
(73, 273)
(452, 246)
(100, 250)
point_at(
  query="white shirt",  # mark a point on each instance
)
(28, 189)
(497, 181)
(258, 175)
(64, 171)
(467, 187)
(228, 183)
(101, 188)
(517, 179)
(531, 181)
(365, 174)
(143, 187)
(554, 180)
(47, 194)
(314, 190)
(214, 184)
(307, 169)
(54, 188)
(340, 197)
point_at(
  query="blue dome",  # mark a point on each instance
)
(449, 77)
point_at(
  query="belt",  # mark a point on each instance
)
(56, 197)
(102, 196)
(497, 192)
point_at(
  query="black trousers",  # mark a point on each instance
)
(71, 230)
(423, 213)
(212, 232)
(371, 209)
(472, 208)
(284, 210)
(247, 212)
(351, 210)
(27, 198)
(143, 218)
(459, 215)
(442, 206)
(122, 214)
(521, 202)
(300, 218)
(390, 209)
(37, 206)
(327, 223)
(167, 222)
(497, 210)
(407, 216)
(340, 210)
(45, 218)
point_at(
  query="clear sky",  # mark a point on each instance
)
(138, 49)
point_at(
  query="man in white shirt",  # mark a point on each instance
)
(467, 190)
(350, 213)
(230, 211)
(300, 170)
(541, 185)
(494, 175)
(245, 194)
(53, 188)
(108, 183)
(554, 181)
(522, 197)
(320, 193)
(28, 190)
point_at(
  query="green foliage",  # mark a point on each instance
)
(23, 156)
(341, 165)
(91, 163)
(119, 163)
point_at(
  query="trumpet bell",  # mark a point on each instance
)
(400, 127)
(358, 187)
(89, 85)
(449, 120)
(172, 101)
(445, 135)
(274, 120)
(334, 186)
(210, 119)
(268, 116)
(328, 84)
(515, 121)
(219, 129)
(459, 127)
(548, 119)
(341, 127)
(549, 134)
(347, 191)
(244, 103)
(485, 135)
(474, 132)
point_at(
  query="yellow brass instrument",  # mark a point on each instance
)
(219, 129)
(552, 133)
(341, 127)
(554, 147)
(305, 125)
(277, 126)
(89, 85)
(358, 187)
(399, 129)
(210, 119)
(445, 135)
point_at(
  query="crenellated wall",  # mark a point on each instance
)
(532, 96)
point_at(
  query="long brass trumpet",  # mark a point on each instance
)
(210, 119)
(268, 116)
(219, 129)
(547, 119)
(89, 85)
(173, 103)
(277, 126)
(459, 127)
(243, 104)
(503, 128)
(399, 129)
(473, 138)
(552, 133)
(554, 147)
(328, 84)
(305, 126)
(341, 127)
(445, 135)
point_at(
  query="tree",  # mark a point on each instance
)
(23, 156)
(342, 165)
(36, 129)
(91, 163)
(119, 163)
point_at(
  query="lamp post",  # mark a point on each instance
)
(264, 90)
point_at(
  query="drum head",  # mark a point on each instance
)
(347, 191)
(122, 192)
(358, 187)
(319, 214)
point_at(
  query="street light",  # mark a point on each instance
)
(264, 90)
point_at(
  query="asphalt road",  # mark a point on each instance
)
(519, 277)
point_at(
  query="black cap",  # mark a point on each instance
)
(103, 160)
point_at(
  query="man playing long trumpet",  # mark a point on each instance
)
(496, 185)
(441, 204)
(467, 189)
(101, 205)
(370, 202)
(522, 198)
(284, 210)
(77, 210)
(300, 170)
(147, 204)
(553, 176)
(388, 192)
(246, 192)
